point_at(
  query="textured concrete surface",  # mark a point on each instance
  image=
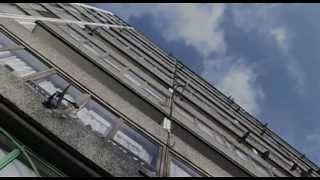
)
(103, 153)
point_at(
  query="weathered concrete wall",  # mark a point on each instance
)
(70, 131)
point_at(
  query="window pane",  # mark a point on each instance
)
(178, 169)
(50, 84)
(5, 146)
(21, 62)
(17, 169)
(138, 145)
(99, 118)
(44, 168)
(20, 167)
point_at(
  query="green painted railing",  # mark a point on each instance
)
(15, 153)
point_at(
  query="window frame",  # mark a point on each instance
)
(19, 45)
(15, 154)
(156, 169)
(175, 156)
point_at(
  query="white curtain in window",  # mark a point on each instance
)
(133, 146)
(97, 123)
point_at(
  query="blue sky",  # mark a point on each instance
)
(266, 56)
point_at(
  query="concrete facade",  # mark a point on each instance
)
(129, 76)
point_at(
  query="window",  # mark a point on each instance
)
(19, 166)
(179, 169)
(97, 117)
(83, 40)
(20, 62)
(138, 145)
(50, 84)
(17, 169)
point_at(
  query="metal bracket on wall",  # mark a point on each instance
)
(264, 129)
(265, 155)
(244, 137)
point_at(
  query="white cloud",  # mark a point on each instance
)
(197, 26)
(312, 145)
(234, 77)
(263, 19)
(281, 36)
